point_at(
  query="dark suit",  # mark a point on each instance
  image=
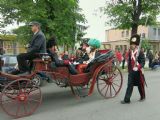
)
(135, 78)
(36, 45)
(55, 59)
(60, 63)
(85, 57)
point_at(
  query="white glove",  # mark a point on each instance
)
(76, 63)
(135, 69)
(27, 45)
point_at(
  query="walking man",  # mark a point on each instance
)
(135, 75)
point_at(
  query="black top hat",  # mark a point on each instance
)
(51, 42)
(34, 23)
(135, 39)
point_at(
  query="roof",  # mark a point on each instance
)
(7, 37)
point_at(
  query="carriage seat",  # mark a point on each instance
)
(40, 57)
(102, 58)
(41, 62)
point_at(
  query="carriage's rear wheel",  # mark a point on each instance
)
(109, 81)
(81, 91)
(20, 98)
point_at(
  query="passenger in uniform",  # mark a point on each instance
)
(135, 74)
(51, 50)
(84, 51)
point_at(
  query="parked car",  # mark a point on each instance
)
(8, 62)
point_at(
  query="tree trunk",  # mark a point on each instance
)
(134, 29)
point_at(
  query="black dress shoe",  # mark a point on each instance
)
(141, 99)
(125, 102)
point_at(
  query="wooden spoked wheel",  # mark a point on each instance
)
(81, 91)
(109, 81)
(21, 98)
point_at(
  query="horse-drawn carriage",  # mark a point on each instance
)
(21, 95)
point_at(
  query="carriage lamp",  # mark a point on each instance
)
(46, 60)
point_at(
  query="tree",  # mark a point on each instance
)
(146, 45)
(59, 17)
(126, 14)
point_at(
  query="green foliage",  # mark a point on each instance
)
(126, 14)
(146, 45)
(57, 17)
(23, 34)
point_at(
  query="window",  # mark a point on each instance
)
(159, 32)
(12, 60)
(143, 35)
(122, 33)
(154, 31)
(127, 33)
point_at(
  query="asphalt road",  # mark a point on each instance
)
(59, 104)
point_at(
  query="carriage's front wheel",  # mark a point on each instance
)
(81, 91)
(109, 81)
(21, 98)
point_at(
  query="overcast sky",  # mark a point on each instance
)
(95, 22)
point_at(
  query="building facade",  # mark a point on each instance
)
(8, 45)
(117, 38)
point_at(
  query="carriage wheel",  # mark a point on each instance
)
(109, 81)
(20, 98)
(81, 91)
(37, 80)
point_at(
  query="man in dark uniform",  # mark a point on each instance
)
(52, 51)
(135, 76)
(36, 45)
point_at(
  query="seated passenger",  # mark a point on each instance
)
(92, 53)
(155, 64)
(79, 52)
(65, 56)
(72, 58)
(83, 51)
(51, 50)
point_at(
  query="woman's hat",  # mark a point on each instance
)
(94, 43)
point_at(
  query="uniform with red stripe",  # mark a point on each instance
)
(135, 65)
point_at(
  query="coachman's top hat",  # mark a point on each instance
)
(135, 39)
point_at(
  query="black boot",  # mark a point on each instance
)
(125, 102)
(142, 99)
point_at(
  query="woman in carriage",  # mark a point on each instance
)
(92, 52)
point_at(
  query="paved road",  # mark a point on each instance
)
(59, 104)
